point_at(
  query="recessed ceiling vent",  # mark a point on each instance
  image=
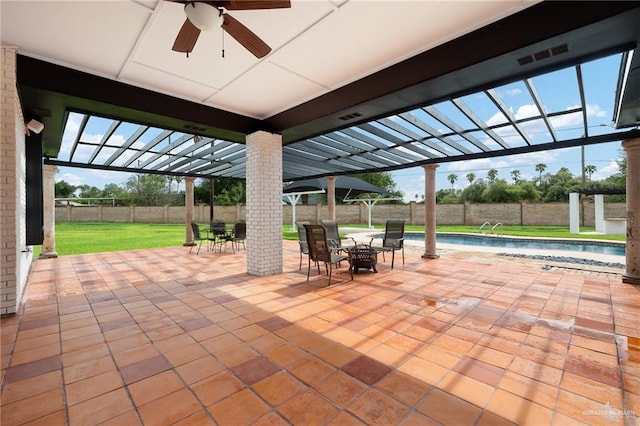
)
(350, 116)
(193, 128)
(543, 54)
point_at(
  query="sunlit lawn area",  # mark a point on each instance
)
(95, 237)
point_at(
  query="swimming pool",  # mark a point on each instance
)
(616, 249)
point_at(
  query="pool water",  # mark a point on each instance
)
(616, 249)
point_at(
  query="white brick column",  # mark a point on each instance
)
(430, 211)
(189, 208)
(15, 256)
(49, 211)
(632, 271)
(264, 204)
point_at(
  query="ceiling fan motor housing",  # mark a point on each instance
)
(203, 15)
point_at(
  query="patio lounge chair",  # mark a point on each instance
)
(302, 240)
(319, 250)
(333, 235)
(239, 235)
(198, 237)
(219, 234)
(393, 239)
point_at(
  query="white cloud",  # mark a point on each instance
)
(609, 170)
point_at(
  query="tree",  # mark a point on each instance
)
(492, 175)
(590, 169)
(452, 180)
(88, 191)
(540, 168)
(515, 175)
(471, 177)
(64, 189)
(146, 190)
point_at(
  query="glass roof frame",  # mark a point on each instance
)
(508, 119)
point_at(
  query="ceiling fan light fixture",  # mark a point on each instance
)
(203, 16)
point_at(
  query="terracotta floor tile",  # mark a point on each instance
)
(240, 408)
(439, 356)
(86, 369)
(423, 370)
(403, 387)
(185, 354)
(340, 388)
(93, 386)
(54, 419)
(32, 369)
(199, 369)
(134, 355)
(286, 355)
(479, 370)
(36, 342)
(154, 387)
(366, 369)
(236, 355)
(374, 407)
(130, 418)
(148, 367)
(467, 388)
(518, 410)
(169, 408)
(508, 358)
(16, 391)
(255, 369)
(531, 389)
(278, 388)
(592, 389)
(445, 408)
(217, 387)
(101, 408)
(32, 408)
(307, 408)
(85, 354)
(35, 354)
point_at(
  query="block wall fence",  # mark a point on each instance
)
(413, 213)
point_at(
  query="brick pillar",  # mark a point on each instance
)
(49, 211)
(264, 203)
(632, 271)
(189, 208)
(430, 211)
(331, 197)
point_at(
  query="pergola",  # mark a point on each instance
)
(430, 107)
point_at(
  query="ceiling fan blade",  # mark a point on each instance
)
(186, 38)
(253, 4)
(245, 36)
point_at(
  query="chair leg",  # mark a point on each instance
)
(199, 245)
(309, 268)
(403, 255)
(393, 257)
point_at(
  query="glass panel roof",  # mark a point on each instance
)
(559, 109)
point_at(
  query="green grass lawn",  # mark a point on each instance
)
(96, 237)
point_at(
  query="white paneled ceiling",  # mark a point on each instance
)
(318, 45)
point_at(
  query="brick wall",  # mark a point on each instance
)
(447, 214)
(15, 259)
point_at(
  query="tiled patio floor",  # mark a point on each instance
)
(165, 337)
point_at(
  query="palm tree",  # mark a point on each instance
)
(492, 175)
(515, 175)
(452, 179)
(471, 177)
(540, 167)
(590, 169)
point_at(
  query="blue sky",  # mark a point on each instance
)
(559, 92)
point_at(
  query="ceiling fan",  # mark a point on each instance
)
(204, 15)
